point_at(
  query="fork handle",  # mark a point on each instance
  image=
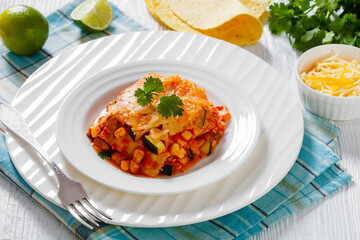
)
(13, 121)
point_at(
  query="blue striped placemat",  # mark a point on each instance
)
(314, 175)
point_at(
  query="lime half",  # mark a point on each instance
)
(93, 15)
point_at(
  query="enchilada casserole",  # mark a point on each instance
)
(140, 141)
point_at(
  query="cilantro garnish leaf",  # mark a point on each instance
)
(168, 106)
(153, 85)
(105, 154)
(142, 97)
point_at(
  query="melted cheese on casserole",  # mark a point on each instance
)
(127, 111)
(127, 115)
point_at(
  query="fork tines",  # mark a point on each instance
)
(84, 209)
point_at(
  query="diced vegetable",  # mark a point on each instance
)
(94, 131)
(120, 132)
(190, 155)
(138, 155)
(149, 145)
(200, 122)
(186, 135)
(125, 165)
(206, 148)
(183, 161)
(167, 170)
(135, 135)
(101, 144)
(177, 151)
(154, 145)
(134, 167)
(117, 157)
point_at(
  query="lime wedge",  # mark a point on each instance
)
(93, 15)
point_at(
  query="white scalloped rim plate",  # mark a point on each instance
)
(89, 99)
(281, 126)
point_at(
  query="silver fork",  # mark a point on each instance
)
(71, 193)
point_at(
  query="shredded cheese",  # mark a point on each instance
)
(334, 76)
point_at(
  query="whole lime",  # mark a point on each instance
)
(23, 29)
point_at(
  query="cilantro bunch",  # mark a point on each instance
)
(168, 106)
(309, 23)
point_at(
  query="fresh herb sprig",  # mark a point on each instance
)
(168, 105)
(309, 23)
(105, 154)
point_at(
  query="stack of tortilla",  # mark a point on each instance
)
(235, 21)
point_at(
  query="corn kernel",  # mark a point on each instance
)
(117, 157)
(125, 164)
(138, 155)
(95, 132)
(134, 167)
(186, 135)
(120, 132)
(183, 161)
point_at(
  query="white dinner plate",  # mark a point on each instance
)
(89, 99)
(281, 123)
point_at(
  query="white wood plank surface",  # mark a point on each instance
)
(336, 217)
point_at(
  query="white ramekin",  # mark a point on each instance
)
(330, 107)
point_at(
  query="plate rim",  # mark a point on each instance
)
(229, 210)
(243, 95)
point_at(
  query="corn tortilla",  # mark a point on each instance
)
(240, 31)
(229, 20)
(257, 7)
(160, 10)
(151, 9)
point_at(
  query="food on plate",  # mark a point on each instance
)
(334, 76)
(311, 23)
(233, 20)
(161, 125)
(23, 29)
(93, 15)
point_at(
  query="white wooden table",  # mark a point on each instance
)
(336, 217)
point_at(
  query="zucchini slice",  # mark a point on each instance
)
(135, 135)
(167, 170)
(154, 145)
(190, 155)
(150, 145)
(200, 122)
(206, 148)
